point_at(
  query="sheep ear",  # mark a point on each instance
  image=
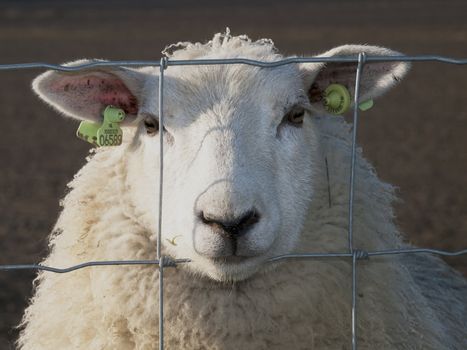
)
(84, 94)
(376, 79)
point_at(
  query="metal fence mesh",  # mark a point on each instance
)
(165, 261)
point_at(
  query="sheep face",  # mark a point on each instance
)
(237, 166)
(240, 146)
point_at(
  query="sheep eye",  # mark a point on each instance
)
(151, 125)
(295, 116)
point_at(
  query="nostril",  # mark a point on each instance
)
(210, 219)
(203, 218)
(235, 227)
(248, 219)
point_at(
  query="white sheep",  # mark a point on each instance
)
(245, 180)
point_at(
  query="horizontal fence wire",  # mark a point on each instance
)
(166, 261)
(174, 262)
(207, 62)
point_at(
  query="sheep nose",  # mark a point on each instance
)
(233, 227)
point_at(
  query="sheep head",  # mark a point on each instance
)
(239, 150)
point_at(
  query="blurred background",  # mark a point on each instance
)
(416, 136)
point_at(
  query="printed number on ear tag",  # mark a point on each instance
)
(106, 134)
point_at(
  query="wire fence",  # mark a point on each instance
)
(163, 261)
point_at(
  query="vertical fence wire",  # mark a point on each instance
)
(361, 62)
(354, 301)
(162, 67)
(358, 75)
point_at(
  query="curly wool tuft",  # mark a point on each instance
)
(221, 42)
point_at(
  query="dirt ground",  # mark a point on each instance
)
(415, 135)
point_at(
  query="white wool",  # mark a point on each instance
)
(403, 302)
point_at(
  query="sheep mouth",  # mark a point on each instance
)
(231, 259)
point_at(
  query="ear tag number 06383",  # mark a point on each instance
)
(106, 134)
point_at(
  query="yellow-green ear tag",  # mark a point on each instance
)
(110, 134)
(87, 131)
(364, 106)
(106, 134)
(336, 99)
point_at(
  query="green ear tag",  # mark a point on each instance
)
(336, 99)
(364, 106)
(106, 134)
(110, 134)
(87, 131)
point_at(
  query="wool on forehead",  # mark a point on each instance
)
(224, 45)
(235, 77)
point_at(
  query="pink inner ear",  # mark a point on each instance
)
(92, 92)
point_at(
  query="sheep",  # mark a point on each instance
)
(254, 168)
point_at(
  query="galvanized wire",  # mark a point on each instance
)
(136, 63)
(174, 262)
(162, 67)
(354, 301)
(358, 75)
(87, 264)
(369, 254)
(164, 261)
(361, 62)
